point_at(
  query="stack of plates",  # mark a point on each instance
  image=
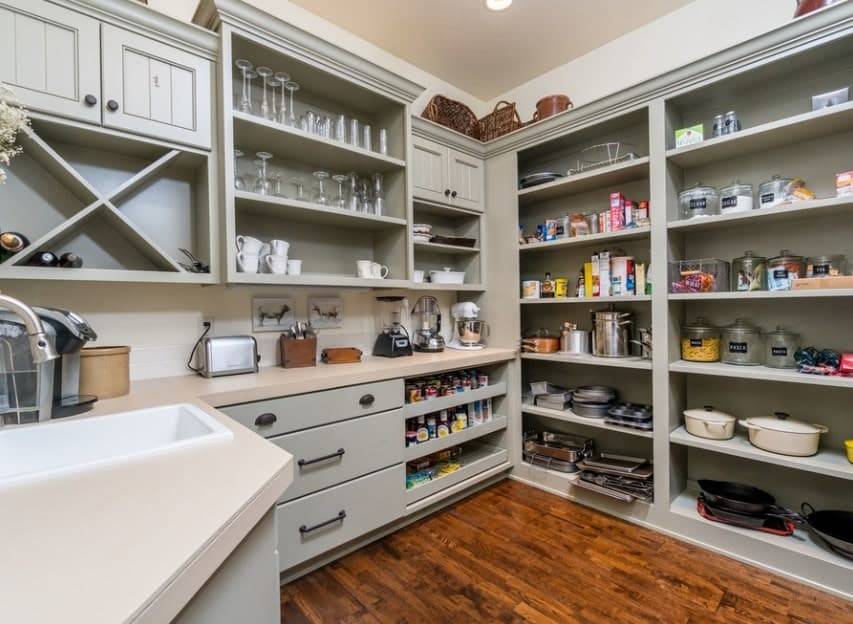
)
(422, 232)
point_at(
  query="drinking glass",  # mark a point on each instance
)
(239, 181)
(365, 197)
(291, 112)
(367, 137)
(299, 189)
(340, 200)
(265, 73)
(325, 124)
(262, 184)
(275, 185)
(283, 78)
(320, 196)
(383, 141)
(353, 202)
(341, 128)
(378, 195)
(354, 129)
(245, 68)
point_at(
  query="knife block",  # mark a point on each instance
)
(297, 353)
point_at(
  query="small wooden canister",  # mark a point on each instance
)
(296, 353)
(105, 371)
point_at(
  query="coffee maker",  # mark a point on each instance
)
(393, 339)
(426, 318)
(468, 329)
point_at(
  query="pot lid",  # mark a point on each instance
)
(786, 256)
(781, 331)
(701, 324)
(742, 325)
(780, 421)
(709, 414)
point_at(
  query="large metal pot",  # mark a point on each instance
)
(611, 333)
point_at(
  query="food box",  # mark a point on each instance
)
(689, 136)
(830, 281)
(844, 183)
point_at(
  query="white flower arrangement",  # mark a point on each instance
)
(13, 119)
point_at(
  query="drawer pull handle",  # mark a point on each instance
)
(308, 529)
(112, 105)
(367, 400)
(90, 100)
(265, 420)
(453, 194)
(307, 462)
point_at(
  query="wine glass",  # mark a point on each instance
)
(291, 112)
(273, 84)
(299, 187)
(320, 196)
(265, 73)
(364, 195)
(245, 68)
(239, 181)
(378, 195)
(262, 184)
(283, 78)
(340, 200)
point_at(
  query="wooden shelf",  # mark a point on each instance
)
(446, 249)
(613, 175)
(806, 209)
(447, 287)
(105, 275)
(253, 134)
(764, 294)
(629, 234)
(425, 206)
(764, 373)
(589, 300)
(429, 406)
(307, 212)
(475, 459)
(590, 360)
(828, 461)
(316, 279)
(792, 130)
(497, 423)
(570, 416)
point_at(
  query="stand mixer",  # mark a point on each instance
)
(426, 318)
(468, 329)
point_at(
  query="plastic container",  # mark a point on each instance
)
(781, 345)
(742, 344)
(773, 192)
(700, 342)
(699, 201)
(105, 371)
(826, 266)
(749, 272)
(736, 198)
(701, 275)
(783, 270)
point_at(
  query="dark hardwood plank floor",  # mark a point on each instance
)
(512, 553)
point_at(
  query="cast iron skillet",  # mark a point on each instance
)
(744, 499)
(835, 528)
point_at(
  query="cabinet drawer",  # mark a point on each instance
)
(320, 522)
(302, 411)
(336, 453)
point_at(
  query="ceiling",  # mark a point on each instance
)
(483, 52)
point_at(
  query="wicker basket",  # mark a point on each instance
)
(503, 120)
(452, 114)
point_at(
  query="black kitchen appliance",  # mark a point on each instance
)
(393, 339)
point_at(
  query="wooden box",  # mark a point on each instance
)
(297, 353)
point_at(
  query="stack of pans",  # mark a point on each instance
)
(557, 451)
(631, 415)
(593, 401)
(618, 476)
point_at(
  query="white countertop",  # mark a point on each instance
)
(135, 541)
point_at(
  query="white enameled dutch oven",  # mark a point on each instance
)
(784, 435)
(707, 422)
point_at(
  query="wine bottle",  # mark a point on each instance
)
(70, 260)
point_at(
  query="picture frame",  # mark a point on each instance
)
(272, 314)
(325, 312)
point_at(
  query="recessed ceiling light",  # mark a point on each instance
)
(498, 5)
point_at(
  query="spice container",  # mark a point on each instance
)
(773, 192)
(736, 198)
(742, 344)
(700, 342)
(823, 266)
(749, 272)
(699, 201)
(781, 347)
(783, 270)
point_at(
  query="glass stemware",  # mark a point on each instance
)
(378, 195)
(320, 196)
(364, 195)
(262, 184)
(291, 112)
(283, 78)
(239, 181)
(353, 201)
(265, 73)
(340, 200)
(245, 68)
(273, 112)
(299, 189)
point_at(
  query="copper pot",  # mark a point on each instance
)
(551, 105)
(540, 344)
(804, 7)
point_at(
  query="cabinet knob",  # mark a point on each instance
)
(112, 105)
(367, 400)
(265, 420)
(453, 194)
(90, 100)
(447, 192)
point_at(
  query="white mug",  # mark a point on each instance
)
(279, 247)
(276, 264)
(418, 277)
(364, 268)
(294, 267)
(379, 271)
(248, 263)
(263, 253)
(249, 245)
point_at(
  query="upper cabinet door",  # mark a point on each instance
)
(50, 56)
(429, 167)
(154, 89)
(467, 183)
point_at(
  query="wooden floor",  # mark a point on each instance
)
(513, 553)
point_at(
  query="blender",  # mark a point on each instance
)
(426, 318)
(393, 339)
(468, 329)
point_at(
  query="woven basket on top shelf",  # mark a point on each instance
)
(503, 120)
(452, 114)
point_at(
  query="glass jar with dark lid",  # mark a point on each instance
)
(700, 341)
(781, 346)
(742, 344)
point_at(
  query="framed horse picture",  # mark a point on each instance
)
(272, 315)
(325, 312)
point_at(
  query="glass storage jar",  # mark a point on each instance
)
(781, 347)
(699, 201)
(742, 344)
(783, 270)
(736, 198)
(773, 192)
(700, 342)
(749, 272)
(823, 266)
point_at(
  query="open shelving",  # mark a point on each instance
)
(628, 234)
(570, 416)
(762, 373)
(497, 423)
(591, 360)
(589, 300)
(429, 406)
(794, 211)
(817, 293)
(612, 175)
(476, 458)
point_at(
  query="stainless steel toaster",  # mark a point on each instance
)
(228, 355)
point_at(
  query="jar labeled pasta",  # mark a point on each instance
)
(781, 347)
(700, 342)
(743, 344)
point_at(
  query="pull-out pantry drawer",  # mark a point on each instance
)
(342, 451)
(301, 411)
(314, 524)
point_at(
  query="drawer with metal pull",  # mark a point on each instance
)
(317, 523)
(292, 413)
(331, 454)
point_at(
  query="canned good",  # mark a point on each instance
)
(824, 266)
(781, 347)
(773, 192)
(561, 287)
(719, 125)
(783, 270)
(736, 198)
(530, 289)
(749, 272)
(731, 123)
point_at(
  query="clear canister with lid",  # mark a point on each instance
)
(826, 266)
(749, 272)
(699, 201)
(742, 344)
(773, 192)
(736, 197)
(781, 347)
(700, 342)
(783, 269)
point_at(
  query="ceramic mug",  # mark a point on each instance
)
(276, 264)
(379, 271)
(249, 245)
(364, 268)
(418, 277)
(279, 247)
(294, 267)
(263, 253)
(248, 263)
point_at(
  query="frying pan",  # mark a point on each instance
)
(835, 528)
(742, 498)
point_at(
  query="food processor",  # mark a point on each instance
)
(393, 339)
(426, 320)
(468, 329)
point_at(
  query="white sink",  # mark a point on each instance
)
(48, 450)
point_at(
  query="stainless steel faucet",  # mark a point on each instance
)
(40, 347)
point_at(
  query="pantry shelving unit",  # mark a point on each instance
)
(498, 423)
(571, 417)
(636, 363)
(587, 300)
(769, 82)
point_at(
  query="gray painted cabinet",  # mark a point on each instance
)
(466, 180)
(443, 174)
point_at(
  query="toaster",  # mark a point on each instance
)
(228, 355)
